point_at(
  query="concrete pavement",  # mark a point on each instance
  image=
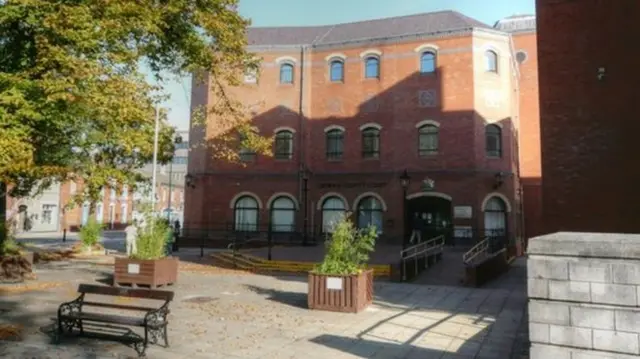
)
(254, 316)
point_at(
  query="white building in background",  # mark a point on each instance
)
(37, 213)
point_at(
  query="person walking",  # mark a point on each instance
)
(131, 237)
(416, 226)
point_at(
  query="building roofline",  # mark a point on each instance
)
(390, 39)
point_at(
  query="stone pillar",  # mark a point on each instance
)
(584, 296)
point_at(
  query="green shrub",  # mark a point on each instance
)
(348, 250)
(90, 233)
(152, 238)
(9, 247)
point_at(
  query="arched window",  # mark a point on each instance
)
(246, 214)
(336, 71)
(335, 144)
(428, 62)
(286, 74)
(370, 143)
(491, 61)
(493, 135)
(495, 218)
(333, 210)
(283, 213)
(428, 140)
(372, 67)
(284, 145)
(370, 213)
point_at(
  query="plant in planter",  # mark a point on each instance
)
(15, 262)
(149, 264)
(90, 235)
(342, 282)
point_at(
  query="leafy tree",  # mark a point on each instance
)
(73, 102)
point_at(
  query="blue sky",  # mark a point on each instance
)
(321, 12)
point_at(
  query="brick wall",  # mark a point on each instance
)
(467, 99)
(588, 123)
(584, 296)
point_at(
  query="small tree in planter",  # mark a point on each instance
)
(149, 264)
(90, 234)
(342, 282)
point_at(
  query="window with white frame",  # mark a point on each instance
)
(283, 213)
(333, 210)
(246, 214)
(370, 213)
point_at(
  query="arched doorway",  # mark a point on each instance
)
(432, 214)
(495, 222)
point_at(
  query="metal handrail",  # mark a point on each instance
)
(420, 250)
(475, 251)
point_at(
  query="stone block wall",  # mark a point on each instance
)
(584, 296)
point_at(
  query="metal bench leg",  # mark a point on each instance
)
(58, 333)
(166, 337)
(141, 346)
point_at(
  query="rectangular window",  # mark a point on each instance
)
(182, 146)
(47, 213)
(284, 145)
(335, 145)
(428, 144)
(371, 143)
(179, 160)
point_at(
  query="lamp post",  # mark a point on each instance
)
(305, 190)
(404, 182)
(154, 175)
(177, 141)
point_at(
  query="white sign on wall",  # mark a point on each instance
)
(133, 268)
(334, 283)
(462, 232)
(464, 212)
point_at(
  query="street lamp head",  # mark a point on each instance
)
(405, 178)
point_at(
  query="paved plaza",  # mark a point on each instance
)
(232, 315)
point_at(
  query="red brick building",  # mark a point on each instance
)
(588, 73)
(353, 106)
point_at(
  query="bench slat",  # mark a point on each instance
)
(106, 318)
(117, 306)
(126, 292)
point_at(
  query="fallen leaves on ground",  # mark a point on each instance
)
(210, 269)
(29, 287)
(11, 332)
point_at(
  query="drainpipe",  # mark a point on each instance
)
(301, 142)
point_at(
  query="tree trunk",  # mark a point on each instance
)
(3, 212)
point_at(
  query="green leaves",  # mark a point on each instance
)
(152, 237)
(348, 250)
(90, 233)
(73, 103)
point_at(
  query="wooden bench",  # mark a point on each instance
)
(154, 320)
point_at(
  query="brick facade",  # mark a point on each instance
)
(116, 208)
(588, 103)
(459, 97)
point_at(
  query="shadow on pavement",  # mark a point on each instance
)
(294, 299)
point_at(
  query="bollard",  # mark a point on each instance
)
(64, 235)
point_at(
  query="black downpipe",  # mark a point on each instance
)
(302, 168)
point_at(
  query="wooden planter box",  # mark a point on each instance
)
(350, 293)
(152, 273)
